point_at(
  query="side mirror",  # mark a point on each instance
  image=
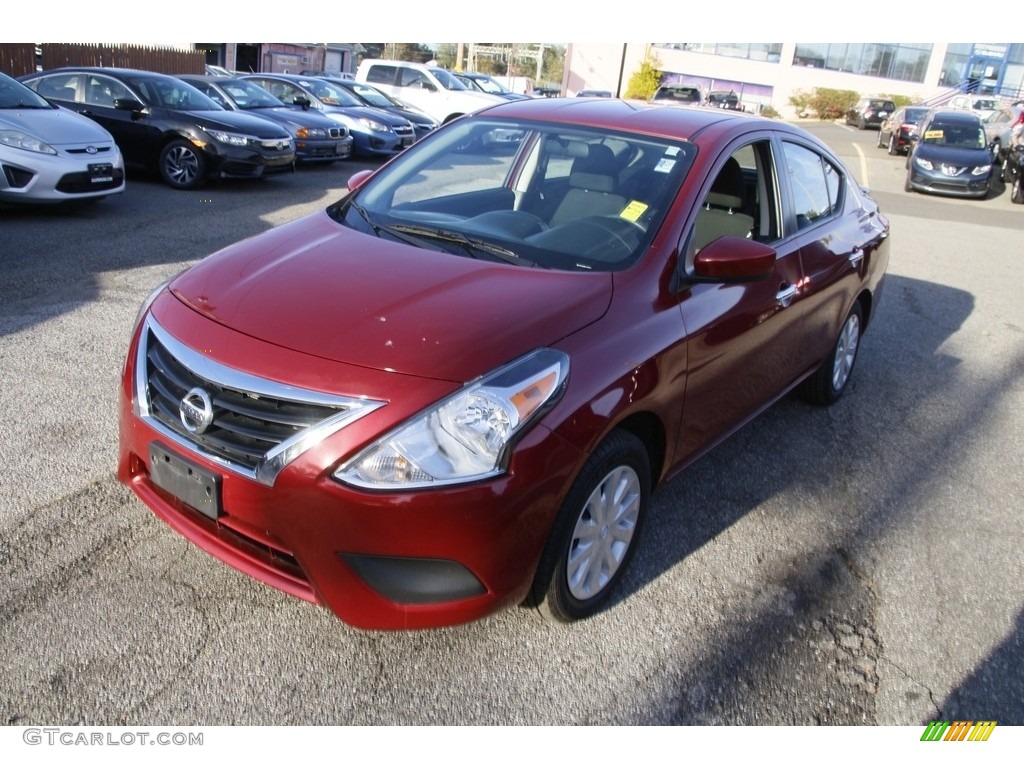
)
(301, 101)
(357, 179)
(734, 260)
(132, 105)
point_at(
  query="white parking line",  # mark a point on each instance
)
(864, 181)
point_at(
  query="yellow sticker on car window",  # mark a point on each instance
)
(633, 211)
(937, 134)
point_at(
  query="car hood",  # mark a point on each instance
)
(380, 115)
(54, 126)
(953, 155)
(291, 116)
(320, 288)
(226, 120)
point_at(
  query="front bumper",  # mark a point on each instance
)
(312, 150)
(940, 184)
(382, 560)
(247, 162)
(31, 177)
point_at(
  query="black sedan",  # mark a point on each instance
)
(162, 123)
(317, 138)
(950, 155)
(895, 131)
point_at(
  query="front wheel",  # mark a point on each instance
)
(1017, 190)
(182, 166)
(596, 531)
(893, 147)
(827, 384)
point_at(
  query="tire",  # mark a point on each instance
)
(893, 147)
(1017, 190)
(906, 184)
(1005, 173)
(878, 139)
(997, 151)
(596, 531)
(182, 166)
(827, 384)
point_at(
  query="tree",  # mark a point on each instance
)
(645, 81)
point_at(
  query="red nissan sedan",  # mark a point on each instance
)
(455, 389)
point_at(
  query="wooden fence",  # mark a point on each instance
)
(21, 58)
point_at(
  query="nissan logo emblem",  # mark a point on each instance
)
(91, 150)
(196, 411)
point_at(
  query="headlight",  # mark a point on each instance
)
(373, 125)
(311, 133)
(467, 436)
(981, 170)
(234, 139)
(926, 164)
(20, 140)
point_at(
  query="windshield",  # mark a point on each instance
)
(448, 80)
(14, 95)
(170, 93)
(248, 95)
(985, 104)
(372, 96)
(330, 94)
(487, 85)
(532, 194)
(955, 135)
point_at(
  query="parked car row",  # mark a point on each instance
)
(952, 150)
(187, 128)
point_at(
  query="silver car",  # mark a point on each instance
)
(52, 155)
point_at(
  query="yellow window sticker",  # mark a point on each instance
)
(937, 134)
(633, 211)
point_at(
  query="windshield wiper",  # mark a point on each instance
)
(470, 244)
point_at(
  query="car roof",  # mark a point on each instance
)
(954, 116)
(635, 116)
(117, 72)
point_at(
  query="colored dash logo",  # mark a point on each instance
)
(960, 730)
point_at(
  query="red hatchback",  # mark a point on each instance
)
(455, 389)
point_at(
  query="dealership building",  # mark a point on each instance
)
(767, 74)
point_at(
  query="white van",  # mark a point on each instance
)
(432, 90)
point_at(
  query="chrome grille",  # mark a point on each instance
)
(258, 426)
(404, 130)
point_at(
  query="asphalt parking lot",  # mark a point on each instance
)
(855, 565)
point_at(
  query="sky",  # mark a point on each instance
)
(523, 21)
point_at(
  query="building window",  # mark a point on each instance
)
(902, 61)
(769, 52)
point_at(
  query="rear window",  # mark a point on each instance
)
(677, 94)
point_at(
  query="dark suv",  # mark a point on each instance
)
(869, 113)
(163, 123)
(724, 100)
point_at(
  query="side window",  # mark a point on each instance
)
(814, 182)
(381, 73)
(742, 198)
(60, 87)
(101, 91)
(413, 78)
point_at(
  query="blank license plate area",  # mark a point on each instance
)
(101, 172)
(185, 480)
